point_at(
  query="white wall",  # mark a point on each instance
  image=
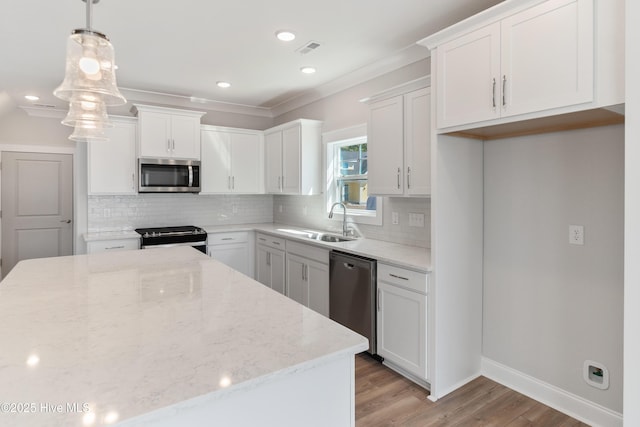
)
(549, 305)
(16, 127)
(632, 220)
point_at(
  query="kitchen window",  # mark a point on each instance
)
(347, 173)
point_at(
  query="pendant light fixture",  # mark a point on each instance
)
(90, 81)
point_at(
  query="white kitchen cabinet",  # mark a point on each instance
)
(270, 262)
(292, 158)
(231, 160)
(233, 249)
(308, 276)
(537, 59)
(96, 246)
(402, 320)
(111, 165)
(168, 132)
(398, 145)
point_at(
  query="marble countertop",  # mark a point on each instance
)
(411, 257)
(123, 334)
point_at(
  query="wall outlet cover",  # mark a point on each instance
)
(394, 218)
(576, 234)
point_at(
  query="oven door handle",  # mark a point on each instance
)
(171, 245)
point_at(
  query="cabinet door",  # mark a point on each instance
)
(263, 266)
(468, 78)
(273, 162)
(547, 56)
(297, 286)
(401, 324)
(291, 160)
(185, 136)
(417, 140)
(246, 161)
(234, 255)
(155, 135)
(317, 275)
(385, 147)
(276, 260)
(215, 175)
(111, 165)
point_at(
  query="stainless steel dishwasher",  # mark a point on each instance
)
(352, 294)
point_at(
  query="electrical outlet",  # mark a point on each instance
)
(576, 234)
(394, 218)
(416, 219)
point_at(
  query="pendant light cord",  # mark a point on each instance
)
(89, 12)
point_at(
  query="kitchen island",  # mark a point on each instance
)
(165, 337)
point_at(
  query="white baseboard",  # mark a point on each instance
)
(568, 403)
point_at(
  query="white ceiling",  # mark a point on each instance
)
(182, 48)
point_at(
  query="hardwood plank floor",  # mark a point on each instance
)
(385, 398)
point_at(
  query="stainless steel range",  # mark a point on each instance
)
(187, 235)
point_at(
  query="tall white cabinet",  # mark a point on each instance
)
(399, 142)
(292, 153)
(232, 161)
(111, 165)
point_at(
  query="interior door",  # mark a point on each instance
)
(37, 206)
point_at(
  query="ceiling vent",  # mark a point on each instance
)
(44, 105)
(309, 47)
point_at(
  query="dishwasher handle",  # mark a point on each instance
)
(348, 266)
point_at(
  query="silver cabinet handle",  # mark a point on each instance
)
(379, 302)
(133, 181)
(233, 182)
(398, 178)
(494, 93)
(504, 89)
(173, 144)
(398, 277)
(114, 247)
(303, 271)
(229, 182)
(227, 238)
(409, 177)
(282, 187)
(66, 221)
(279, 179)
(262, 239)
(268, 258)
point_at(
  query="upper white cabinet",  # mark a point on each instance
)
(232, 161)
(292, 158)
(398, 143)
(524, 60)
(168, 132)
(111, 165)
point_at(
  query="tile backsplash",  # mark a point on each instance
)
(114, 213)
(310, 211)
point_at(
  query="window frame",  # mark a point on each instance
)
(331, 141)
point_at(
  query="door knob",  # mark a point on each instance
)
(68, 221)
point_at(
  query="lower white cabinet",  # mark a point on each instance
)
(402, 319)
(270, 262)
(233, 249)
(308, 276)
(96, 246)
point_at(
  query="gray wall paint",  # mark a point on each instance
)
(549, 305)
(16, 127)
(293, 212)
(344, 109)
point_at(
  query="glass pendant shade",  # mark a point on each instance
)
(84, 133)
(85, 110)
(90, 69)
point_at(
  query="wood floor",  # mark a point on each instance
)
(384, 398)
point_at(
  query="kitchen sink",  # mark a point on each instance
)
(318, 235)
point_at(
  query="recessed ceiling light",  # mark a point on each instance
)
(223, 85)
(308, 70)
(285, 36)
(32, 97)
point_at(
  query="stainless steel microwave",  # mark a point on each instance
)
(168, 176)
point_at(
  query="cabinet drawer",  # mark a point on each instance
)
(112, 245)
(224, 238)
(271, 241)
(408, 279)
(308, 251)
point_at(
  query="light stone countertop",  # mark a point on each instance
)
(131, 332)
(411, 257)
(111, 235)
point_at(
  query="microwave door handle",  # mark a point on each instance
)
(190, 176)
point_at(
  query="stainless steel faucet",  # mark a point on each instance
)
(344, 217)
